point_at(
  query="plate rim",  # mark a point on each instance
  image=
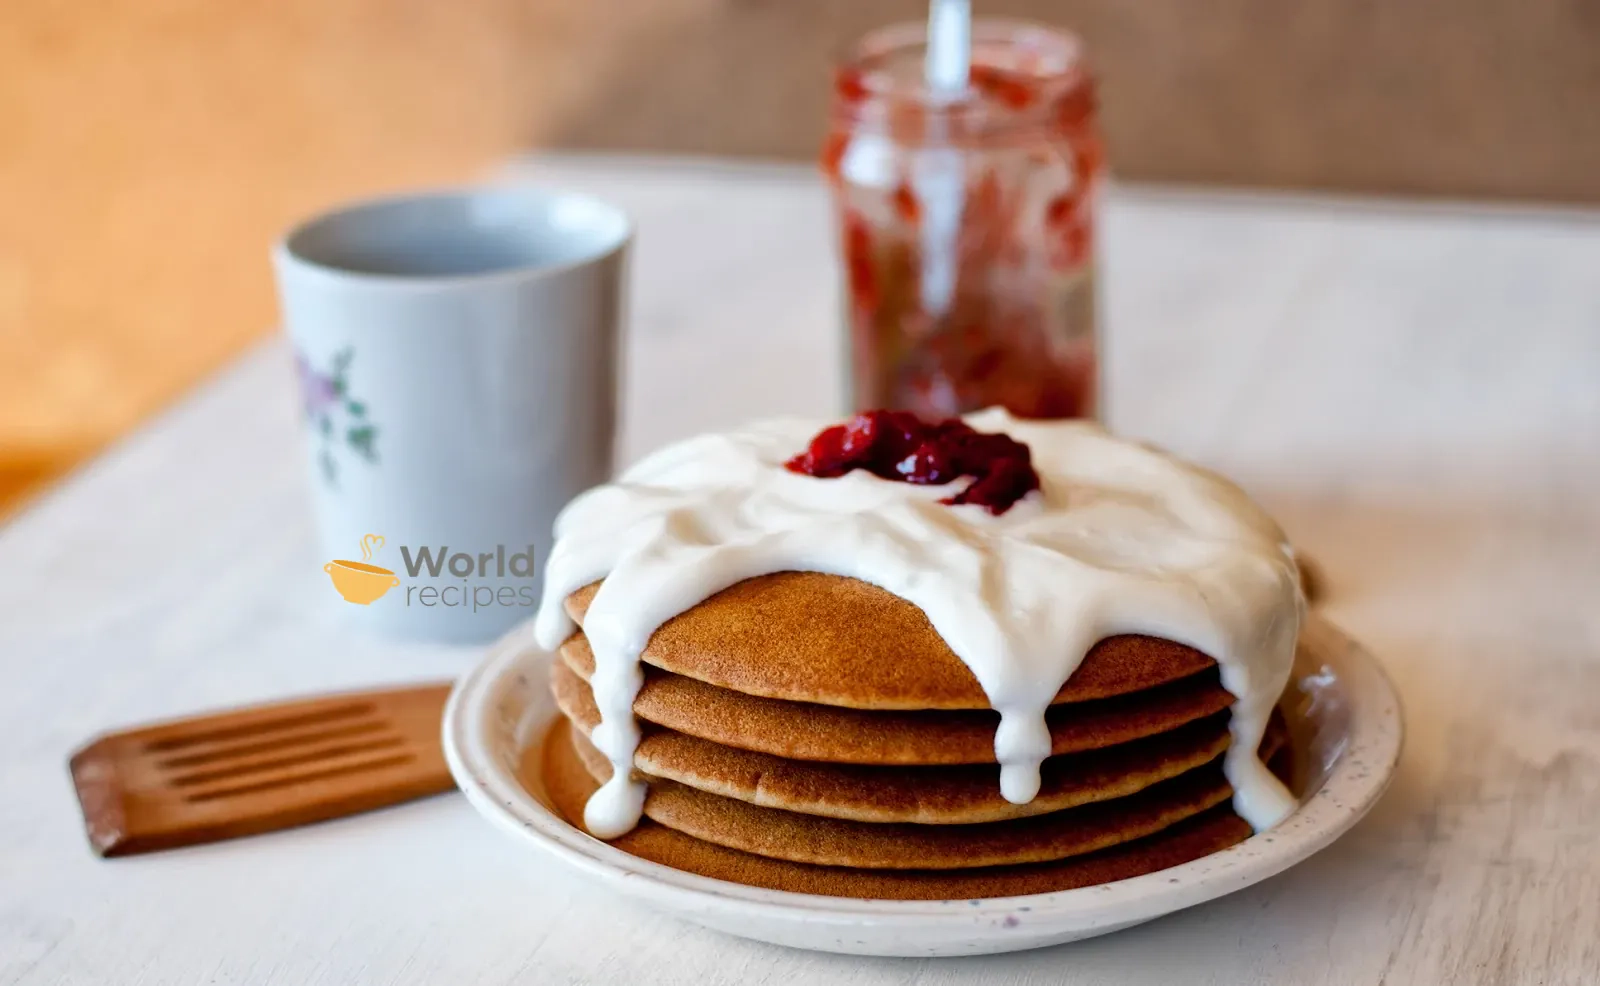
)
(1358, 778)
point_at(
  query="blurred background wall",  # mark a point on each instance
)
(151, 149)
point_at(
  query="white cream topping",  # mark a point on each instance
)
(1120, 539)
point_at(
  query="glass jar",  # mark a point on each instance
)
(967, 225)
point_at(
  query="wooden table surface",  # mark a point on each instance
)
(1415, 391)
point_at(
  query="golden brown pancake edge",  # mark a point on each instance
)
(834, 734)
(832, 640)
(568, 785)
(792, 836)
(943, 794)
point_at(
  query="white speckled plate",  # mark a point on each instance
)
(1347, 723)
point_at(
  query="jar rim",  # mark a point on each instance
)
(1053, 55)
(1019, 70)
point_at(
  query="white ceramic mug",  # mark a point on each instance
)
(457, 356)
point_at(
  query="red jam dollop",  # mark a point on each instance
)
(900, 446)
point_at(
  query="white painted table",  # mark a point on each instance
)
(1415, 392)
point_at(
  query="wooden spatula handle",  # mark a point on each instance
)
(255, 770)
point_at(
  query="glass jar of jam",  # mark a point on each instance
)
(967, 224)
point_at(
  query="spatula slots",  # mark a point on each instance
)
(255, 770)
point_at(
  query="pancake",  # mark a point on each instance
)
(828, 733)
(569, 785)
(814, 637)
(779, 834)
(940, 795)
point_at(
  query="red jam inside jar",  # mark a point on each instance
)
(994, 304)
(899, 446)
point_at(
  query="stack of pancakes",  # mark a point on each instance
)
(813, 733)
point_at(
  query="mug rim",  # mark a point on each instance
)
(285, 253)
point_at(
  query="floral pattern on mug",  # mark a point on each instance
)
(334, 414)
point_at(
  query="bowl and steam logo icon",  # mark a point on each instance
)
(361, 582)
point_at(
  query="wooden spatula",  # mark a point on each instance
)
(259, 769)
